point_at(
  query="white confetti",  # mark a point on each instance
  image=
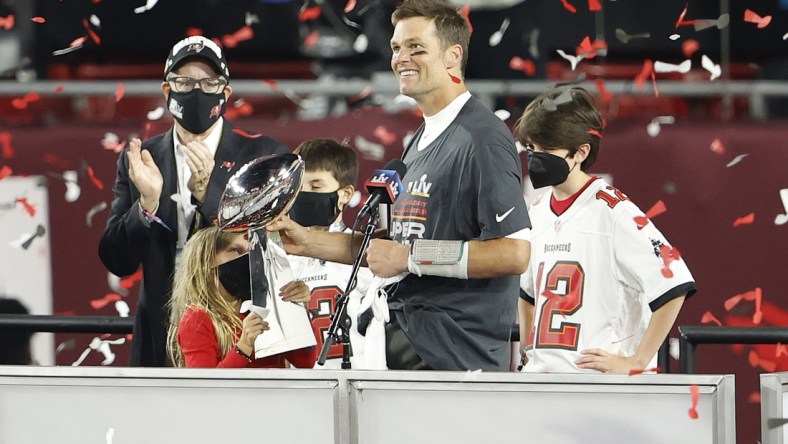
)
(149, 4)
(101, 206)
(711, 67)
(73, 189)
(654, 127)
(95, 21)
(155, 114)
(781, 219)
(683, 68)
(369, 149)
(471, 375)
(673, 348)
(102, 347)
(361, 43)
(496, 36)
(503, 114)
(674, 37)
(736, 160)
(114, 283)
(355, 199)
(573, 60)
(123, 308)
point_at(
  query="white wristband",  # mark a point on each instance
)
(430, 257)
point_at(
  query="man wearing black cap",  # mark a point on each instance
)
(170, 185)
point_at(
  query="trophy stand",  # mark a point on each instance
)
(339, 331)
(259, 279)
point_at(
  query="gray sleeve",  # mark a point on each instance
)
(500, 207)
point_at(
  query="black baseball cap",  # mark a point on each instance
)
(199, 47)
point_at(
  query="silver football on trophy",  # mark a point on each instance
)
(260, 191)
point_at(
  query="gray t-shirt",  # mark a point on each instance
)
(465, 185)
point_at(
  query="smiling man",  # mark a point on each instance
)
(460, 229)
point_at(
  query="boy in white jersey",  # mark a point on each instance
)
(331, 173)
(603, 286)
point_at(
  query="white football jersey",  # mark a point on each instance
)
(596, 273)
(327, 280)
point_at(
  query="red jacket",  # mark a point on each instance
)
(197, 339)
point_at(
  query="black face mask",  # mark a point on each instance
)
(195, 110)
(310, 208)
(235, 278)
(545, 169)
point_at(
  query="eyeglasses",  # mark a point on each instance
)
(208, 86)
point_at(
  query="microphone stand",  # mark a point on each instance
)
(339, 331)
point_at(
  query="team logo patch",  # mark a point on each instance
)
(656, 243)
(195, 47)
(217, 109)
(176, 109)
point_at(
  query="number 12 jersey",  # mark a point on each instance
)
(596, 273)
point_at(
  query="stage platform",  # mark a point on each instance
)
(133, 405)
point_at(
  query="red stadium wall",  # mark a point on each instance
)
(703, 197)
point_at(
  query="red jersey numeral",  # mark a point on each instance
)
(566, 335)
(322, 306)
(611, 199)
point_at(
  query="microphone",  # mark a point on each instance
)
(383, 187)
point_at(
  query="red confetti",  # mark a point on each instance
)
(311, 39)
(745, 220)
(588, 50)
(645, 73)
(594, 5)
(120, 91)
(93, 36)
(78, 42)
(228, 164)
(56, 161)
(7, 22)
(607, 96)
(309, 14)
(781, 349)
(681, 21)
(465, 12)
(239, 108)
(21, 103)
(755, 398)
(653, 212)
(272, 84)
(29, 208)
(98, 183)
(751, 16)
(757, 361)
(38, 19)
(146, 134)
(6, 148)
(385, 136)
(245, 134)
(689, 46)
(103, 302)
(645, 370)
(454, 78)
(569, 6)
(717, 147)
(525, 65)
(59, 88)
(709, 318)
(350, 5)
(654, 83)
(129, 281)
(243, 34)
(695, 397)
(594, 132)
(5, 171)
(668, 255)
(191, 32)
(753, 295)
